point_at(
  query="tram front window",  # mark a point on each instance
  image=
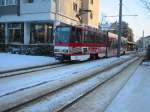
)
(62, 34)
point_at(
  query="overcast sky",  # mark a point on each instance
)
(130, 7)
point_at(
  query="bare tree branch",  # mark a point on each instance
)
(146, 4)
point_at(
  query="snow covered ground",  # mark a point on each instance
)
(15, 61)
(10, 62)
(46, 80)
(60, 75)
(135, 96)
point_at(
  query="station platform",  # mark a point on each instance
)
(135, 95)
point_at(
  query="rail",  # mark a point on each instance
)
(78, 85)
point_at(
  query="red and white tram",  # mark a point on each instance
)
(83, 43)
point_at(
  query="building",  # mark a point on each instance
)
(92, 17)
(68, 11)
(26, 22)
(143, 43)
(30, 23)
(80, 12)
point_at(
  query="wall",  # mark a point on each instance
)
(6, 10)
(66, 8)
(86, 5)
(36, 11)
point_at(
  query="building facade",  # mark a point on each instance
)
(68, 11)
(143, 43)
(26, 22)
(92, 17)
(32, 22)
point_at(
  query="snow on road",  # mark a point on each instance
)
(135, 96)
(15, 61)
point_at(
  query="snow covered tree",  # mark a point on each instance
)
(126, 30)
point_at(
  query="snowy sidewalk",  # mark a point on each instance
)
(14, 61)
(135, 96)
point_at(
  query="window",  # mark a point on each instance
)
(2, 33)
(16, 32)
(63, 34)
(11, 2)
(98, 38)
(2, 2)
(75, 7)
(91, 15)
(30, 1)
(8, 2)
(91, 1)
(76, 35)
(41, 33)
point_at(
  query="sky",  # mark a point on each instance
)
(130, 7)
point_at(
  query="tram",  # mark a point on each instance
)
(79, 43)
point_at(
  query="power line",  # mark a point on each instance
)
(122, 15)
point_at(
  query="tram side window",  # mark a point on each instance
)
(73, 35)
(86, 36)
(112, 43)
(116, 43)
(79, 35)
(97, 38)
(102, 38)
(109, 43)
(2, 31)
(91, 37)
(76, 35)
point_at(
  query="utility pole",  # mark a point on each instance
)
(57, 10)
(143, 34)
(119, 30)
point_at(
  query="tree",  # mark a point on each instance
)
(146, 4)
(126, 30)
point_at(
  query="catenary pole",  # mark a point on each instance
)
(119, 30)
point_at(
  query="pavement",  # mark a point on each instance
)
(135, 95)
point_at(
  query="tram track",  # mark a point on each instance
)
(50, 88)
(102, 96)
(20, 71)
(29, 70)
(71, 93)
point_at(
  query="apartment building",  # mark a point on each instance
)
(31, 22)
(68, 11)
(92, 17)
(26, 21)
(143, 43)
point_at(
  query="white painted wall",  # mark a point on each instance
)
(39, 10)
